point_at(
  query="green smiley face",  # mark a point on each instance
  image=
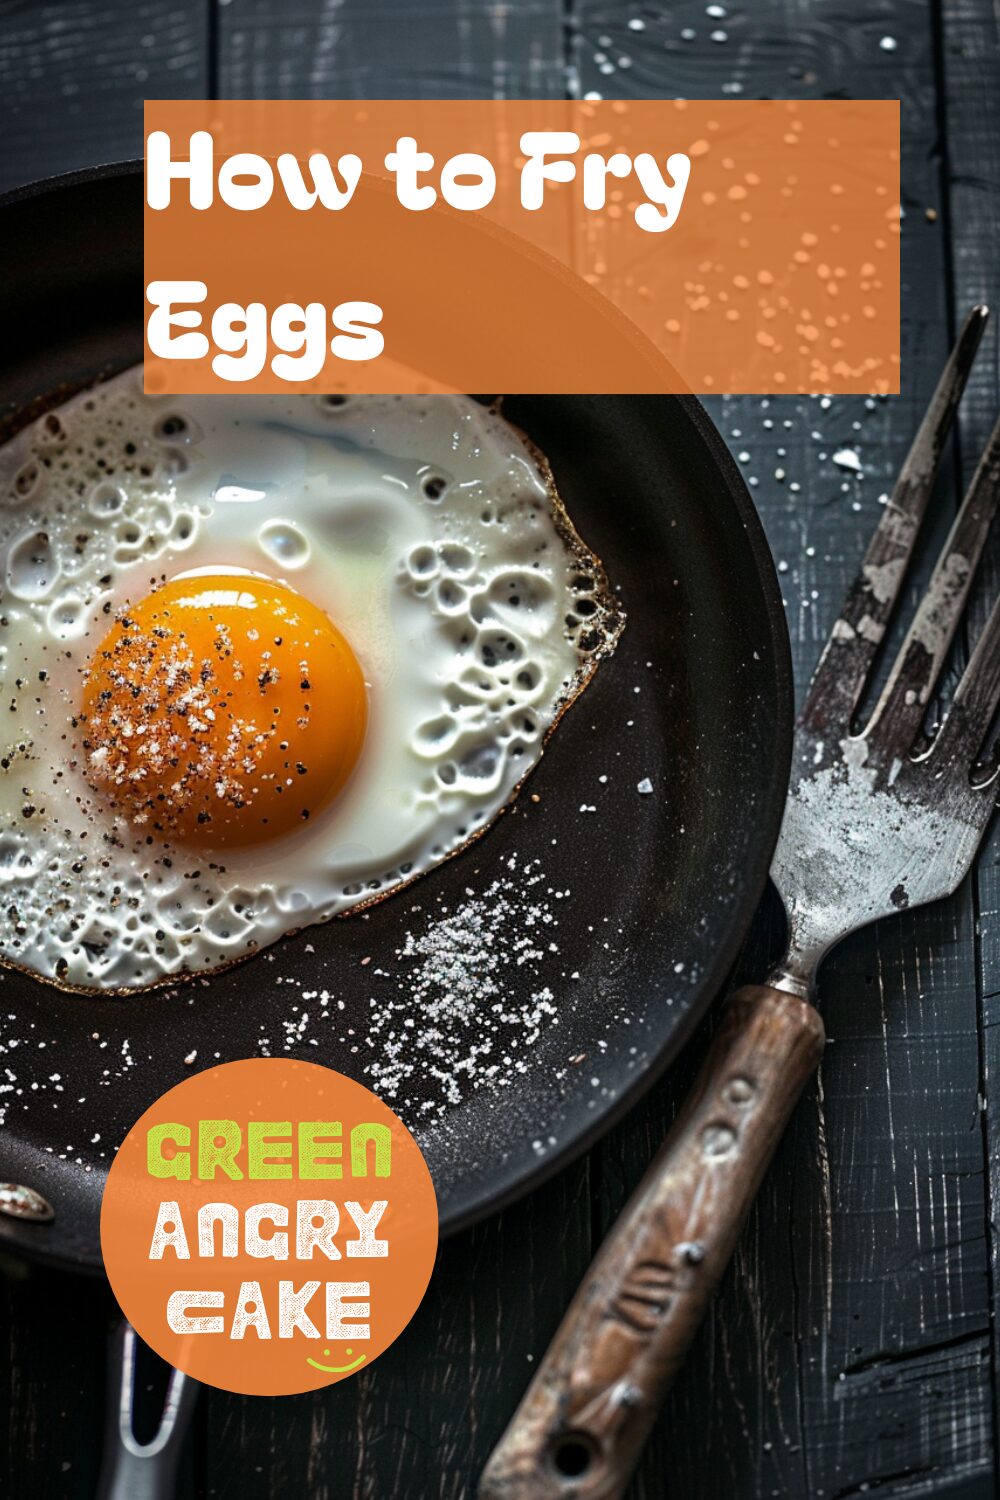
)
(337, 1369)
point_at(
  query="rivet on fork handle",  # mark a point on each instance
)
(588, 1411)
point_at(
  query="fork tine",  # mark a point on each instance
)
(901, 707)
(847, 658)
(977, 697)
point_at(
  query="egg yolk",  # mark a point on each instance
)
(222, 710)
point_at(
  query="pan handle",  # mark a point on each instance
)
(581, 1426)
(134, 1470)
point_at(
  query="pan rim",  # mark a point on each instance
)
(521, 1176)
(485, 1204)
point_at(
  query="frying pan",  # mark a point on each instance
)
(649, 823)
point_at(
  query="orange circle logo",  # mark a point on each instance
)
(269, 1226)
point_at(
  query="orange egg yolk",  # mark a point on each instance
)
(222, 710)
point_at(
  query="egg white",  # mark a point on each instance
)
(429, 532)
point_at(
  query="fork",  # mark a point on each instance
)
(880, 816)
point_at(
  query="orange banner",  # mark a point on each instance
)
(561, 246)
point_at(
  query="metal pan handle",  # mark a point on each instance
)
(134, 1470)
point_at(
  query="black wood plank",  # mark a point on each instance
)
(849, 1349)
(390, 49)
(52, 1382)
(970, 60)
(74, 73)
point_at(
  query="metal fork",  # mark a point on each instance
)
(879, 817)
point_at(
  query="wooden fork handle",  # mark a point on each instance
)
(580, 1428)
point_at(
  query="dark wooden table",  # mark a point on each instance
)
(853, 1348)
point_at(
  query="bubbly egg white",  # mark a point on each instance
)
(424, 527)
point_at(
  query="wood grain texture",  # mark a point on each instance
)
(852, 1349)
(970, 62)
(390, 49)
(52, 1382)
(74, 73)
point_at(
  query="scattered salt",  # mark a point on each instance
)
(470, 996)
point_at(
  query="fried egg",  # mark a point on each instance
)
(263, 660)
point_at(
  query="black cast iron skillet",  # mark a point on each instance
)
(655, 890)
